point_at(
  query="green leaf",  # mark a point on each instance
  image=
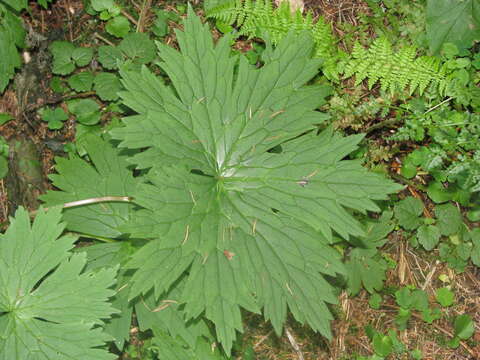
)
(365, 265)
(17, 4)
(4, 118)
(438, 193)
(81, 82)
(109, 56)
(444, 296)
(408, 212)
(419, 300)
(166, 317)
(474, 214)
(62, 60)
(450, 219)
(404, 298)
(160, 25)
(430, 315)
(382, 345)
(107, 86)
(3, 167)
(138, 47)
(409, 169)
(86, 111)
(464, 326)
(475, 236)
(12, 35)
(242, 219)
(428, 236)
(55, 118)
(375, 301)
(50, 307)
(455, 21)
(82, 56)
(170, 348)
(104, 255)
(77, 180)
(100, 5)
(402, 318)
(119, 26)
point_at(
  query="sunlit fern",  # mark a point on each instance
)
(395, 70)
(254, 19)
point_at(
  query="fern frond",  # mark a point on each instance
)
(257, 18)
(395, 70)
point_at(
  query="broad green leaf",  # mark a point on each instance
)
(108, 175)
(404, 298)
(86, 111)
(464, 326)
(119, 26)
(375, 301)
(100, 5)
(242, 219)
(438, 193)
(382, 345)
(109, 56)
(449, 219)
(428, 236)
(49, 306)
(455, 21)
(107, 86)
(4, 118)
(62, 57)
(444, 296)
(138, 47)
(408, 212)
(419, 300)
(81, 82)
(82, 56)
(12, 35)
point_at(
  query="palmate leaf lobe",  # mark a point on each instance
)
(47, 315)
(251, 226)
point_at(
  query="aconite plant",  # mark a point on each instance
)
(236, 196)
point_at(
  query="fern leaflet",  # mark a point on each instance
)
(395, 70)
(257, 18)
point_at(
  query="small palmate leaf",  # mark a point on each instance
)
(78, 180)
(49, 308)
(252, 226)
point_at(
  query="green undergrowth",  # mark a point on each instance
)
(222, 185)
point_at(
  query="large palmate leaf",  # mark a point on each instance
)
(47, 315)
(233, 194)
(78, 180)
(176, 336)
